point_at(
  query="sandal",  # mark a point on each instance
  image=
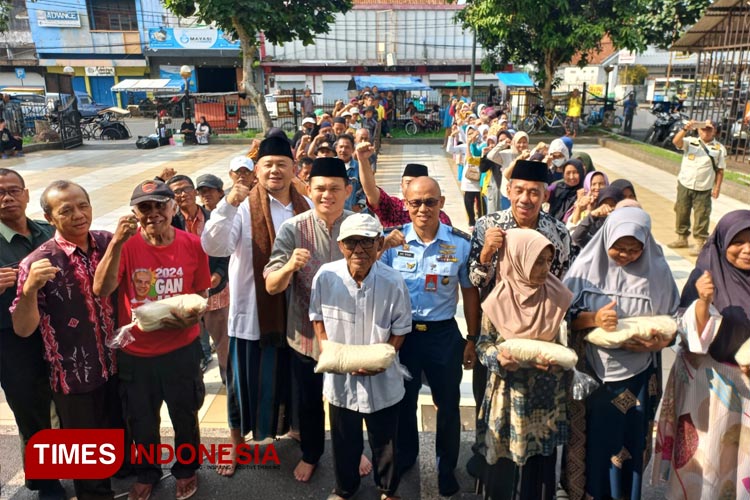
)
(140, 491)
(186, 488)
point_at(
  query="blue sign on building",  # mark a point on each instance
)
(20, 73)
(190, 38)
(173, 74)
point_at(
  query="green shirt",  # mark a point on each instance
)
(14, 247)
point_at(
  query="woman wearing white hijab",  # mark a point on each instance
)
(621, 273)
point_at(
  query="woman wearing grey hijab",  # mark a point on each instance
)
(621, 273)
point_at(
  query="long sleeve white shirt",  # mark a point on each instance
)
(229, 233)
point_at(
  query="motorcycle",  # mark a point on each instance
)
(669, 121)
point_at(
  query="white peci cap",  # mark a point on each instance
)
(360, 225)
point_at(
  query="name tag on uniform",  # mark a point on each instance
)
(406, 254)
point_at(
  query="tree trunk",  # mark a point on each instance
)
(248, 47)
(549, 77)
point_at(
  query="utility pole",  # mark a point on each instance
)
(473, 65)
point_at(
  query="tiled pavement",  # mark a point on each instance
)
(110, 174)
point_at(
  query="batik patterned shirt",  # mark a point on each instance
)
(483, 275)
(392, 211)
(75, 324)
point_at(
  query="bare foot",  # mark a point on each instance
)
(227, 470)
(304, 471)
(293, 435)
(365, 466)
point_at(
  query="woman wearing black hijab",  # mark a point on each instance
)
(703, 433)
(625, 187)
(589, 225)
(563, 193)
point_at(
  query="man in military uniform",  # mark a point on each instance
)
(699, 180)
(527, 192)
(432, 258)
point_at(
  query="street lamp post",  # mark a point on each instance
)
(185, 73)
(606, 116)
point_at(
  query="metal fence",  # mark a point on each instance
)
(21, 118)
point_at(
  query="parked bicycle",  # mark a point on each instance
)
(540, 119)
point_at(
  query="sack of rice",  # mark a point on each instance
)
(346, 358)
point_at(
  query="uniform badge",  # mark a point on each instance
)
(430, 283)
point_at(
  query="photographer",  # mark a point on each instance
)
(699, 180)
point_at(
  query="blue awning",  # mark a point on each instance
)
(515, 79)
(390, 83)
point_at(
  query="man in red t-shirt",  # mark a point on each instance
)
(162, 365)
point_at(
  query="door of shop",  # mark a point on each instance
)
(101, 90)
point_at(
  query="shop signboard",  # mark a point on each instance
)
(190, 38)
(58, 19)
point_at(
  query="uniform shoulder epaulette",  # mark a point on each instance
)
(393, 228)
(460, 233)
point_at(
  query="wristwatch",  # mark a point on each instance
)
(472, 338)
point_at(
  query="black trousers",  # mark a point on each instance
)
(25, 380)
(535, 480)
(438, 353)
(98, 409)
(474, 213)
(176, 379)
(478, 385)
(347, 443)
(12, 144)
(309, 405)
(628, 123)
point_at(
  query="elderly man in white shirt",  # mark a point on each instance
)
(256, 320)
(360, 301)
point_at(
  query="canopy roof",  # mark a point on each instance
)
(712, 31)
(164, 84)
(390, 83)
(515, 79)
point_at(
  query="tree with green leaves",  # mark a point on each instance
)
(6, 10)
(548, 33)
(280, 21)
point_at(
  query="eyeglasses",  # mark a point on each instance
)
(364, 243)
(14, 192)
(430, 202)
(186, 190)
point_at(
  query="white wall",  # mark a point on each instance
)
(364, 37)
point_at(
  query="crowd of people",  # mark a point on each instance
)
(305, 251)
